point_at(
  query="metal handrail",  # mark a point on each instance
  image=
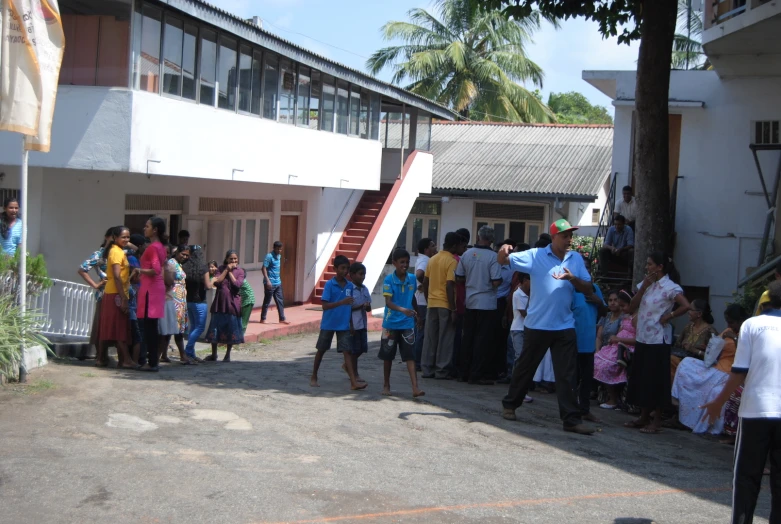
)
(606, 219)
(729, 14)
(331, 234)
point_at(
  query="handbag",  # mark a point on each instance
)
(713, 350)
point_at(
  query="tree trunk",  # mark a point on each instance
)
(651, 158)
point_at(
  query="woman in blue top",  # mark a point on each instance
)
(10, 226)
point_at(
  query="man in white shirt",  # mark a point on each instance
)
(427, 248)
(757, 365)
(627, 207)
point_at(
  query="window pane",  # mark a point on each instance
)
(374, 116)
(363, 126)
(329, 101)
(314, 100)
(534, 234)
(383, 129)
(342, 105)
(518, 230)
(257, 61)
(287, 91)
(499, 233)
(355, 110)
(263, 225)
(172, 47)
(237, 236)
(417, 232)
(393, 138)
(226, 74)
(245, 79)
(304, 85)
(208, 66)
(249, 242)
(423, 132)
(433, 229)
(150, 49)
(188, 61)
(407, 138)
(270, 85)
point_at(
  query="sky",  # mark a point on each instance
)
(348, 31)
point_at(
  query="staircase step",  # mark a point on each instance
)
(349, 254)
(368, 209)
(347, 238)
(350, 245)
(369, 219)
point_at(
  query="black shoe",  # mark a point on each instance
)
(505, 380)
(430, 375)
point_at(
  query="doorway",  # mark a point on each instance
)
(288, 235)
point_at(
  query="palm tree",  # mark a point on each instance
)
(687, 45)
(470, 59)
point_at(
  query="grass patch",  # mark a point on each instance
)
(88, 374)
(34, 388)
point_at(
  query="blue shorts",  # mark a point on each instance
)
(343, 340)
(360, 343)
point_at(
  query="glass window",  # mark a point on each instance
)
(245, 79)
(237, 236)
(374, 116)
(303, 94)
(263, 225)
(249, 241)
(342, 107)
(149, 64)
(257, 64)
(172, 56)
(394, 129)
(287, 91)
(226, 74)
(407, 139)
(363, 126)
(98, 40)
(314, 100)
(423, 132)
(188, 61)
(417, 232)
(208, 67)
(355, 110)
(329, 101)
(270, 85)
(433, 229)
(499, 231)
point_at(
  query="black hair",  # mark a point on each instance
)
(399, 253)
(193, 267)
(624, 296)
(228, 253)
(736, 313)
(423, 244)
(183, 233)
(137, 240)
(277, 243)
(115, 232)
(464, 233)
(341, 260)
(701, 305)
(355, 267)
(159, 225)
(5, 227)
(510, 241)
(774, 292)
(544, 241)
(523, 246)
(619, 218)
(212, 263)
(522, 276)
(626, 188)
(181, 247)
(452, 240)
(662, 259)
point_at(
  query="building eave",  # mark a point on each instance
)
(507, 195)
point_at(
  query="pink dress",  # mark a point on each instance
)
(606, 370)
(151, 294)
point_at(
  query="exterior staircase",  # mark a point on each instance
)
(355, 234)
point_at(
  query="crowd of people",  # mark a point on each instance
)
(149, 292)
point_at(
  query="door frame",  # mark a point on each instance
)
(300, 252)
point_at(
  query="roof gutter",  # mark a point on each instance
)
(261, 37)
(506, 195)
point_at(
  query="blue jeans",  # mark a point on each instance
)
(276, 293)
(197, 312)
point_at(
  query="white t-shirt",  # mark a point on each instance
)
(520, 301)
(420, 265)
(759, 354)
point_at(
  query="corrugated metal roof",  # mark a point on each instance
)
(566, 160)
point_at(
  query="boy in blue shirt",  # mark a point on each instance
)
(337, 310)
(586, 311)
(398, 324)
(359, 322)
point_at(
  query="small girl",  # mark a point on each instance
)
(609, 362)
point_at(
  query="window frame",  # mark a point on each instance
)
(237, 42)
(259, 252)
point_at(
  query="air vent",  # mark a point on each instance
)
(154, 203)
(766, 133)
(9, 193)
(510, 212)
(293, 205)
(235, 205)
(426, 207)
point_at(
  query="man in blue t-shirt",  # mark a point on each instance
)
(273, 282)
(556, 272)
(398, 323)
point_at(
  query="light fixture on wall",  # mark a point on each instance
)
(342, 180)
(289, 177)
(148, 174)
(445, 199)
(234, 171)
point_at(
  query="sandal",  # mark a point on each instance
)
(165, 359)
(650, 430)
(210, 358)
(608, 406)
(635, 424)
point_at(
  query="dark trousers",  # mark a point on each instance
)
(279, 300)
(564, 353)
(499, 358)
(457, 339)
(150, 348)
(420, 332)
(477, 343)
(757, 439)
(607, 258)
(585, 381)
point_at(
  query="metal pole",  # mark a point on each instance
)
(23, 259)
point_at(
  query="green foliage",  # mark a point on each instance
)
(749, 295)
(470, 59)
(574, 108)
(37, 274)
(16, 328)
(687, 45)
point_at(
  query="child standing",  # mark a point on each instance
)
(520, 305)
(337, 310)
(398, 325)
(247, 303)
(362, 304)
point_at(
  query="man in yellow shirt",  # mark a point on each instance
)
(439, 288)
(765, 297)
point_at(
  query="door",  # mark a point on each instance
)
(215, 240)
(288, 235)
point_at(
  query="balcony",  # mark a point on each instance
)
(741, 37)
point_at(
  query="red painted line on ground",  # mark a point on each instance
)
(500, 504)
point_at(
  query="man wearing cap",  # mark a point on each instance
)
(556, 272)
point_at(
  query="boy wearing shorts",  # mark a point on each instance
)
(359, 323)
(337, 309)
(398, 324)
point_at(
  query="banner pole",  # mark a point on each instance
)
(23, 259)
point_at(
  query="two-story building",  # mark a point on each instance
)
(178, 109)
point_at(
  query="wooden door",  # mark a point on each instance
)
(288, 235)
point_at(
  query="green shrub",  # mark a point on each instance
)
(16, 328)
(37, 275)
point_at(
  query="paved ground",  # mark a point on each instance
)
(250, 442)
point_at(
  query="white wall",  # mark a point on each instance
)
(456, 214)
(333, 210)
(112, 129)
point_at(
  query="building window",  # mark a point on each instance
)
(423, 132)
(314, 100)
(595, 216)
(250, 240)
(226, 74)
(189, 52)
(147, 64)
(766, 133)
(245, 79)
(287, 91)
(329, 101)
(375, 108)
(342, 107)
(363, 126)
(173, 42)
(303, 94)
(270, 85)
(208, 67)
(355, 111)
(423, 222)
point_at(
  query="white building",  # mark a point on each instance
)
(178, 109)
(724, 129)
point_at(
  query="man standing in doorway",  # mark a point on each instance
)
(628, 207)
(480, 271)
(556, 272)
(271, 277)
(427, 248)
